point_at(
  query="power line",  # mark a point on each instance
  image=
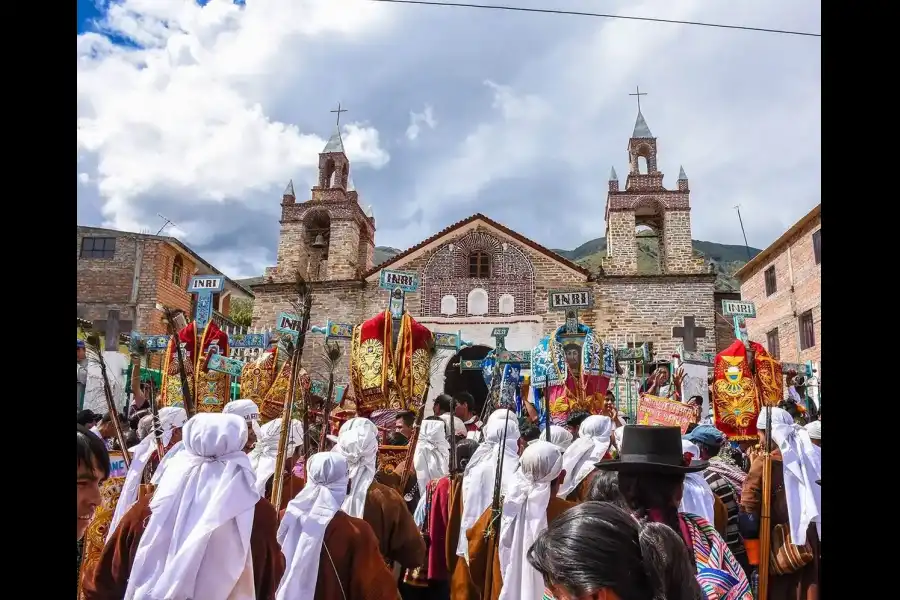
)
(550, 11)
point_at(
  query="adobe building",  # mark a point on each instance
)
(477, 274)
(784, 281)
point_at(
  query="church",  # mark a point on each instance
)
(477, 274)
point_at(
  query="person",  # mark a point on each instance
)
(560, 437)
(140, 391)
(142, 466)
(329, 555)
(442, 405)
(88, 418)
(81, 373)
(697, 497)
(250, 412)
(501, 435)
(105, 429)
(465, 407)
(530, 503)
(573, 423)
(395, 438)
(528, 433)
(265, 453)
(381, 506)
(725, 481)
(458, 428)
(461, 587)
(795, 503)
(814, 430)
(651, 468)
(404, 423)
(92, 462)
(598, 550)
(657, 384)
(431, 460)
(605, 488)
(211, 482)
(579, 459)
(696, 403)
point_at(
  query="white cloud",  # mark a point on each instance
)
(185, 112)
(84, 178)
(417, 120)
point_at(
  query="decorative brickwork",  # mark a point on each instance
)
(447, 273)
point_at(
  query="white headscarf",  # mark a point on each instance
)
(500, 413)
(814, 430)
(561, 437)
(164, 463)
(359, 447)
(478, 481)
(459, 428)
(698, 497)
(197, 540)
(590, 447)
(264, 453)
(524, 518)
(802, 465)
(248, 410)
(431, 457)
(170, 418)
(302, 530)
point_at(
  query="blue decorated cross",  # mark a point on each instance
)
(204, 286)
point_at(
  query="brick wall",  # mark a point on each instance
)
(292, 253)
(678, 251)
(798, 281)
(621, 258)
(343, 250)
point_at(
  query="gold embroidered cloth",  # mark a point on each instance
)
(737, 396)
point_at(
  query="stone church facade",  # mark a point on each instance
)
(477, 274)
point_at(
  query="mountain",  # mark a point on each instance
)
(727, 258)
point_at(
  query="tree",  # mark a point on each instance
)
(241, 311)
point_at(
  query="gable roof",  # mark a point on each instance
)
(494, 224)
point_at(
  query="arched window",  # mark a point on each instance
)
(642, 165)
(480, 265)
(477, 301)
(448, 305)
(506, 305)
(177, 270)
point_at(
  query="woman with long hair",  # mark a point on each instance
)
(598, 551)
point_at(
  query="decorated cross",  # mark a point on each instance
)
(739, 311)
(502, 356)
(398, 283)
(223, 364)
(570, 301)
(690, 333)
(334, 330)
(204, 286)
(111, 326)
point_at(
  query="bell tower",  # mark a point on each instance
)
(645, 204)
(329, 237)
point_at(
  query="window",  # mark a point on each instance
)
(772, 343)
(771, 285)
(817, 246)
(177, 270)
(98, 247)
(480, 265)
(807, 333)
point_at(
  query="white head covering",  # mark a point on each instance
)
(459, 428)
(164, 463)
(814, 430)
(197, 540)
(170, 418)
(525, 517)
(500, 413)
(302, 530)
(359, 447)
(478, 481)
(590, 447)
(802, 465)
(561, 437)
(698, 497)
(264, 453)
(248, 410)
(431, 458)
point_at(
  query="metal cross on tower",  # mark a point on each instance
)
(638, 94)
(338, 111)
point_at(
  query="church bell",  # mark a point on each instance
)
(319, 242)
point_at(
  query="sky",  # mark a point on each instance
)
(203, 111)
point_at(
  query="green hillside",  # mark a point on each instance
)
(728, 258)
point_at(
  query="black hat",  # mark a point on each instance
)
(652, 449)
(87, 417)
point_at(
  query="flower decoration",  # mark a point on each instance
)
(686, 459)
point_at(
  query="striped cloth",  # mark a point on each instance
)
(725, 491)
(719, 574)
(732, 473)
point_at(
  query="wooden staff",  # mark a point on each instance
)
(491, 533)
(93, 341)
(182, 373)
(303, 305)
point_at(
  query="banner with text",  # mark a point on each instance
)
(653, 410)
